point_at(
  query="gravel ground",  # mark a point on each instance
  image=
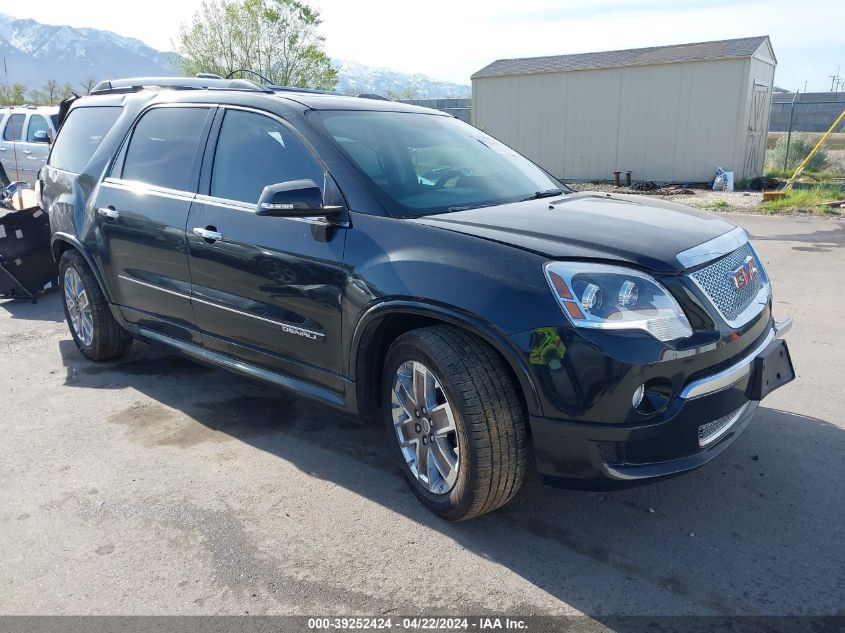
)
(152, 485)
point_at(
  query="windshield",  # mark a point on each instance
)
(418, 164)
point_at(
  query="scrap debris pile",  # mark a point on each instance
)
(26, 262)
(647, 186)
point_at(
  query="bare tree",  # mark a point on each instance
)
(50, 91)
(279, 39)
(409, 92)
(88, 85)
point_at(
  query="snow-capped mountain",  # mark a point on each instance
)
(36, 53)
(355, 78)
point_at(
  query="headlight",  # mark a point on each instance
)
(606, 297)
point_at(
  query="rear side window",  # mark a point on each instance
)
(82, 132)
(14, 128)
(37, 123)
(163, 146)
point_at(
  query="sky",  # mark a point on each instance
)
(451, 39)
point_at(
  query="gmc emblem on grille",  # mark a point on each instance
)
(745, 274)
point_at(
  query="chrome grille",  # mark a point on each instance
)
(712, 431)
(716, 280)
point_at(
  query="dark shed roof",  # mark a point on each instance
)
(744, 47)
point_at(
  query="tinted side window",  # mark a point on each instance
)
(81, 135)
(14, 128)
(37, 123)
(254, 151)
(163, 146)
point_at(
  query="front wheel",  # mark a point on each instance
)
(455, 421)
(95, 331)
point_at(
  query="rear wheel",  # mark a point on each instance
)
(455, 421)
(95, 331)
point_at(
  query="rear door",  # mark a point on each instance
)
(141, 213)
(35, 146)
(10, 150)
(268, 290)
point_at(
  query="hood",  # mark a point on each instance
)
(635, 230)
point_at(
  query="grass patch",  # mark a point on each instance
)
(805, 200)
(720, 204)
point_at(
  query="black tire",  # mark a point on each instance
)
(489, 419)
(109, 339)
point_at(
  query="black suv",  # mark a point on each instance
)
(379, 257)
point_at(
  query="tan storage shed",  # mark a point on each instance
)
(667, 114)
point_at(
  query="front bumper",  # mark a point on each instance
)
(704, 419)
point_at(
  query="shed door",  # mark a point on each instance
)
(755, 150)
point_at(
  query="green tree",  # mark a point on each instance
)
(279, 39)
(36, 97)
(13, 95)
(66, 91)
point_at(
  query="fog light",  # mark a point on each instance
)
(637, 398)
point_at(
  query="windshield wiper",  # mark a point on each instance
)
(472, 206)
(548, 193)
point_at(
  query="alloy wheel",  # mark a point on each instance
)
(425, 427)
(78, 307)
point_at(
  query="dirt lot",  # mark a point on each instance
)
(740, 201)
(156, 486)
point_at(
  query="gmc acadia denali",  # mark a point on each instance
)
(379, 257)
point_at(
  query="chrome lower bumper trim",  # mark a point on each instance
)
(736, 372)
(782, 327)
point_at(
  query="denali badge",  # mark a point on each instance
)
(745, 274)
(290, 329)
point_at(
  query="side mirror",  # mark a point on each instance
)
(295, 198)
(41, 136)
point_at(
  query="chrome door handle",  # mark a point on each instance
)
(108, 213)
(207, 234)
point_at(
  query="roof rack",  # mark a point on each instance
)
(314, 91)
(135, 84)
(365, 95)
(205, 81)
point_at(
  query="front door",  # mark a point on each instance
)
(265, 289)
(142, 210)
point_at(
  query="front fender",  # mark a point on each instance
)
(367, 328)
